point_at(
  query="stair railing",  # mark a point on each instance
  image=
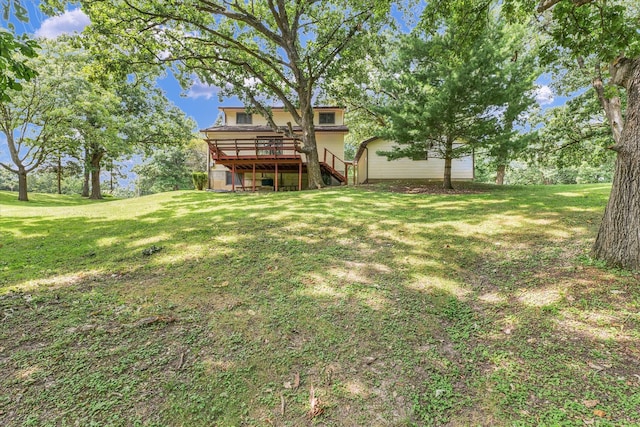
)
(332, 161)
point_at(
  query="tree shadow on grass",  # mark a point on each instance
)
(394, 305)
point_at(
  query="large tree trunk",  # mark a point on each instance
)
(22, 185)
(85, 182)
(59, 172)
(96, 157)
(309, 146)
(618, 240)
(448, 155)
(87, 175)
(500, 174)
(21, 170)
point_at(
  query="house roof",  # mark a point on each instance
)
(281, 108)
(363, 146)
(268, 129)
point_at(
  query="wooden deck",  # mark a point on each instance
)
(270, 155)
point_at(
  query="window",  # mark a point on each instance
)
(238, 178)
(243, 119)
(327, 118)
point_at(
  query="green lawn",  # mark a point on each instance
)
(203, 309)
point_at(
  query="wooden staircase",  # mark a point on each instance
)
(335, 167)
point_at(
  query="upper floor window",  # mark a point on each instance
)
(327, 118)
(243, 119)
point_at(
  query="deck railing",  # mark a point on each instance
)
(336, 163)
(254, 149)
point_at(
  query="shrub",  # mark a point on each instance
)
(199, 180)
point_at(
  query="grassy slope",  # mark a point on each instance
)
(395, 309)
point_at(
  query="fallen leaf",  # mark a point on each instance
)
(180, 362)
(594, 366)
(590, 403)
(296, 380)
(599, 413)
(316, 407)
(287, 384)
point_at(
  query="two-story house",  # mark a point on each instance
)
(245, 152)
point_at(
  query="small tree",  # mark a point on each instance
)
(199, 180)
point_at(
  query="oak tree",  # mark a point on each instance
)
(263, 51)
(602, 39)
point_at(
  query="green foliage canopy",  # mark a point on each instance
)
(14, 51)
(456, 86)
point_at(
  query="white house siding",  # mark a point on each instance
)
(379, 168)
(281, 117)
(362, 168)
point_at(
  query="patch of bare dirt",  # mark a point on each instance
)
(430, 188)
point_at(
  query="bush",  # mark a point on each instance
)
(199, 180)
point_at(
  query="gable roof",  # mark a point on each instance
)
(363, 146)
(268, 129)
(281, 108)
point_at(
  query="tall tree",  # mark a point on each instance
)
(602, 38)
(114, 119)
(166, 170)
(518, 71)
(262, 51)
(451, 89)
(31, 119)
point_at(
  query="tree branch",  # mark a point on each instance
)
(548, 4)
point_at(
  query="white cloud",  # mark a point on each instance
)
(199, 89)
(544, 95)
(69, 22)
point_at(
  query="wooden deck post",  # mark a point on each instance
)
(300, 175)
(233, 177)
(254, 177)
(208, 166)
(275, 179)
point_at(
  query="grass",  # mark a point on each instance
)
(200, 309)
